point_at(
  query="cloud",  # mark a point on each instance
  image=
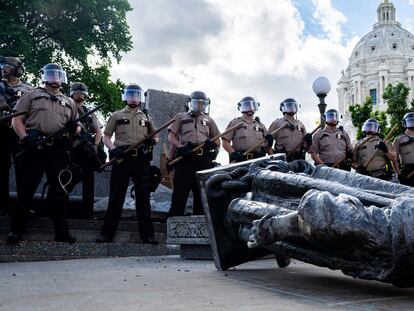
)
(329, 18)
(235, 48)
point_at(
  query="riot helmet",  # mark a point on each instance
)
(408, 121)
(331, 117)
(289, 106)
(371, 126)
(53, 75)
(248, 105)
(79, 87)
(14, 63)
(134, 96)
(198, 102)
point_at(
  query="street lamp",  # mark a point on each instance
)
(321, 86)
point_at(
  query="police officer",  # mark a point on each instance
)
(247, 136)
(380, 166)
(404, 147)
(332, 145)
(189, 130)
(84, 151)
(292, 133)
(130, 125)
(11, 89)
(48, 112)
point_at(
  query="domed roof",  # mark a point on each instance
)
(387, 38)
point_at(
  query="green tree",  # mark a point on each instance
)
(360, 113)
(82, 35)
(396, 99)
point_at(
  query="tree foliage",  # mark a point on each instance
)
(396, 99)
(82, 35)
(360, 113)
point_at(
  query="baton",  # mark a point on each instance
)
(201, 145)
(140, 142)
(389, 135)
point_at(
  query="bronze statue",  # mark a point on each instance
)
(330, 218)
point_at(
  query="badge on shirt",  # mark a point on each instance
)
(299, 128)
(143, 123)
(256, 128)
(204, 122)
(19, 94)
(339, 136)
(63, 104)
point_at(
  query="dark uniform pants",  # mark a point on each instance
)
(10, 142)
(184, 181)
(139, 171)
(87, 175)
(34, 163)
(407, 170)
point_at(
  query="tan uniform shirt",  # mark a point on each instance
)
(129, 127)
(20, 89)
(289, 137)
(91, 122)
(363, 152)
(404, 149)
(331, 146)
(47, 113)
(246, 136)
(193, 129)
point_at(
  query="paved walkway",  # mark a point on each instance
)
(169, 283)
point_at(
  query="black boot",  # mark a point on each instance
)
(150, 241)
(13, 239)
(66, 239)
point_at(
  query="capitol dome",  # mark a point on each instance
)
(383, 56)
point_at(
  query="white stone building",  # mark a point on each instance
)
(384, 55)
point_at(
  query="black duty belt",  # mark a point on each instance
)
(253, 155)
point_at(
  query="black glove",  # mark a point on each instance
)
(29, 143)
(209, 145)
(237, 156)
(383, 147)
(402, 179)
(186, 150)
(72, 127)
(117, 152)
(361, 169)
(269, 140)
(308, 139)
(150, 142)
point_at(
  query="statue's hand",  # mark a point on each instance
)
(261, 232)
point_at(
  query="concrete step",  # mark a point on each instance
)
(42, 251)
(38, 234)
(130, 225)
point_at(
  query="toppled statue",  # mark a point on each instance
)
(323, 216)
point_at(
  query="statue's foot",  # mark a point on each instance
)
(282, 260)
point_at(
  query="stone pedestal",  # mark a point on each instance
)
(191, 233)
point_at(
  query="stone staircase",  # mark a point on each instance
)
(39, 245)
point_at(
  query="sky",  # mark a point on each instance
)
(268, 49)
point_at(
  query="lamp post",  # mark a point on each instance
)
(321, 86)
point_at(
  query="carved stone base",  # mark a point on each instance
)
(191, 233)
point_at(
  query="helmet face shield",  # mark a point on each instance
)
(249, 106)
(133, 95)
(54, 76)
(199, 105)
(409, 122)
(289, 107)
(370, 127)
(331, 117)
(5, 66)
